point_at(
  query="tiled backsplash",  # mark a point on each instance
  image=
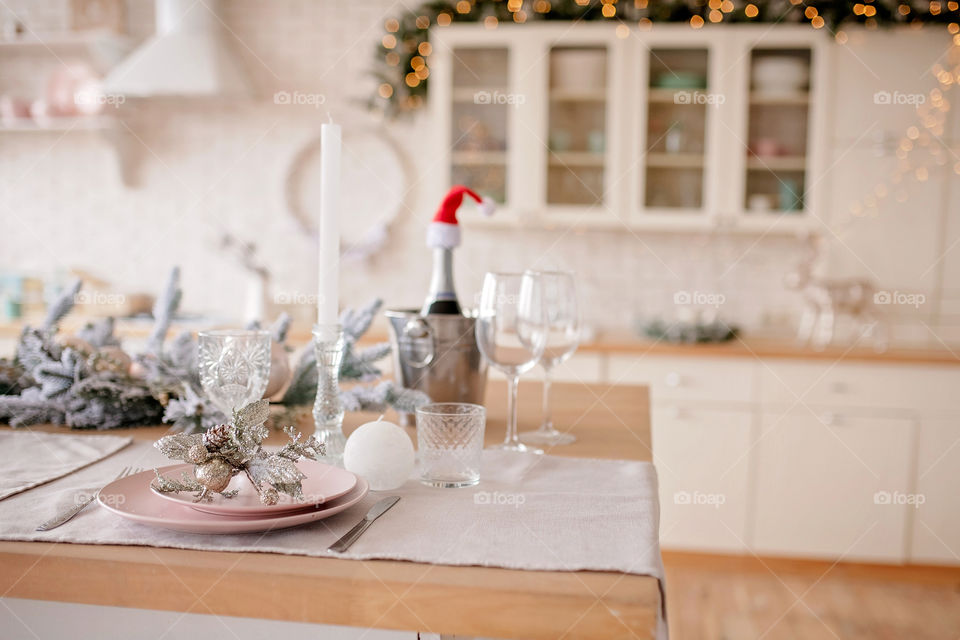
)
(206, 168)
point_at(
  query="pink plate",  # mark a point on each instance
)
(322, 484)
(131, 498)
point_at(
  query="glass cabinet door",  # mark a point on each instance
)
(678, 106)
(577, 128)
(481, 101)
(777, 136)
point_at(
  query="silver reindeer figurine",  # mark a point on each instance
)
(825, 299)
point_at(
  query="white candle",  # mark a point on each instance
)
(328, 298)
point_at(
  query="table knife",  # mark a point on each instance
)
(375, 512)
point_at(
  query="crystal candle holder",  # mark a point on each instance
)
(328, 343)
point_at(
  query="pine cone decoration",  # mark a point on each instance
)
(217, 436)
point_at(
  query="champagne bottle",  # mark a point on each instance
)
(443, 235)
(442, 297)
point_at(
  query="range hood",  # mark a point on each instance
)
(187, 57)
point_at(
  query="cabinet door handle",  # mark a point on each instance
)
(673, 379)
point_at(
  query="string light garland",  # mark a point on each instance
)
(403, 53)
(921, 150)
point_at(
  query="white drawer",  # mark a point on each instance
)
(581, 367)
(885, 386)
(687, 378)
(936, 523)
(703, 465)
(833, 491)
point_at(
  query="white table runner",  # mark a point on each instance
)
(31, 458)
(528, 512)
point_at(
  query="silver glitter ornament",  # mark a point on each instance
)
(214, 474)
(228, 449)
(197, 454)
(269, 496)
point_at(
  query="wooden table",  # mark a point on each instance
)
(610, 422)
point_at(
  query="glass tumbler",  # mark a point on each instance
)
(450, 443)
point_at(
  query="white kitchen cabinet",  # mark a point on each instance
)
(778, 139)
(936, 521)
(477, 128)
(908, 388)
(704, 497)
(711, 380)
(574, 125)
(806, 475)
(577, 127)
(500, 125)
(836, 486)
(678, 105)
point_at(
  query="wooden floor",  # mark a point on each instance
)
(712, 597)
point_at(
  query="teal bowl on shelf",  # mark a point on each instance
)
(680, 80)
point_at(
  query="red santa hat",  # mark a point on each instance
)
(444, 231)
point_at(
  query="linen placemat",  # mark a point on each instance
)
(31, 458)
(529, 512)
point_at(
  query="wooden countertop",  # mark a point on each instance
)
(610, 422)
(630, 344)
(622, 343)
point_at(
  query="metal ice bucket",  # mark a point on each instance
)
(437, 354)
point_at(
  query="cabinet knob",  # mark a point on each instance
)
(839, 387)
(673, 379)
(676, 413)
(831, 419)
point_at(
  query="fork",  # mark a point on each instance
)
(68, 514)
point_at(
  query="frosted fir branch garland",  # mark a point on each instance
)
(357, 365)
(87, 381)
(80, 382)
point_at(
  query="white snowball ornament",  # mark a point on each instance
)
(382, 453)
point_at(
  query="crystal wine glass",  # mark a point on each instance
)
(559, 293)
(234, 367)
(510, 335)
